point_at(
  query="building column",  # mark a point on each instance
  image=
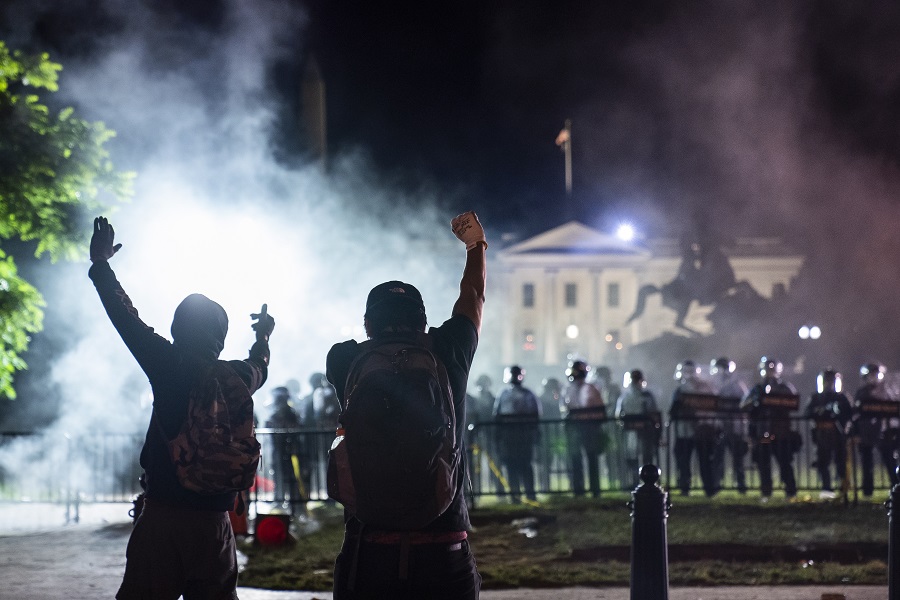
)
(551, 346)
(595, 344)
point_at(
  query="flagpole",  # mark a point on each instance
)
(569, 158)
(564, 141)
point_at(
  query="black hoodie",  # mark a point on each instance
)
(198, 330)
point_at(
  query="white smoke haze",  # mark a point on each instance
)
(214, 213)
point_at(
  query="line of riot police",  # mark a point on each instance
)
(714, 422)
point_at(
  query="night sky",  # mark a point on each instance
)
(679, 112)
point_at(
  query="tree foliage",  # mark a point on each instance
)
(54, 170)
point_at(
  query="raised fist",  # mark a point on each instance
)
(467, 228)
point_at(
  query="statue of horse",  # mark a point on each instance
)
(705, 275)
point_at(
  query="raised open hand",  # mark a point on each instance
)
(103, 245)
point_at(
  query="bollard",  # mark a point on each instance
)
(894, 543)
(649, 547)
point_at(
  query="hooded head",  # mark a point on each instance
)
(199, 327)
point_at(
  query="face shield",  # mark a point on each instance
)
(686, 369)
(829, 380)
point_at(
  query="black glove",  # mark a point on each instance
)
(102, 247)
(264, 325)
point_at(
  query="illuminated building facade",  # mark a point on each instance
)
(570, 291)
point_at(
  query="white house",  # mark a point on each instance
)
(571, 290)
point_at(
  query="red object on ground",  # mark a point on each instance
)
(272, 530)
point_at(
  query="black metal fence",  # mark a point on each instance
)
(104, 467)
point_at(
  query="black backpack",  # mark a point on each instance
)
(394, 463)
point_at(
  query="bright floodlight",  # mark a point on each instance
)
(625, 232)
(572, 332)
(803, 333)
(815, 332)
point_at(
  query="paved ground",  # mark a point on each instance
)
(42, 557)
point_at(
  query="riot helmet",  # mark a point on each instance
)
(721, 366)
(770, 368)
(872, 373)
(578, 370)
(552, 384)
(281, 396)
(514, 375)
(635, 378)
(604, 374)
(317, 380)
(483, 382)
(686, 369)
(829, 380)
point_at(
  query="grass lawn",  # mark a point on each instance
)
(566, 542)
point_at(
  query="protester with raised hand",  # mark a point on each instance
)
(182, 543)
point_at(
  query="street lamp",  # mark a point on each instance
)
(809, 332)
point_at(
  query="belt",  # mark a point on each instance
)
(414, 537)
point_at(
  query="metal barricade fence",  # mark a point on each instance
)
(103, 467)
(60, 468)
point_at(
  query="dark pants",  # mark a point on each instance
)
(584, 435)
(433, 572)
(706, 451)
(647, 455)
(517, 442)
(737, 447)
(520, 474)
(827, 452)
(867, 464)
(684, 448)
(287, 487)
(783, 453)
(176, 552)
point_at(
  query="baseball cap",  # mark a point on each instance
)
(393, 291)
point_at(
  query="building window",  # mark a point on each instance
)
(528, 295)
(612, 295)
(528, 341)
(571, 294)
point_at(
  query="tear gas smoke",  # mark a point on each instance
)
(215, 213)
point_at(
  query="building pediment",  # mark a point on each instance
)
(574, 238)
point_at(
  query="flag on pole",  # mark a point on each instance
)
(563, 138)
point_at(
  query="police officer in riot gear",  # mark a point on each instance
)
(583, 407)
(551, 391)
(830, 410)
(603, 381)
(872, 430)
(694, 429)
(638, 414)
(286, 448)
(486, 399)
(517, 412)
(730, 390)
(769, 403)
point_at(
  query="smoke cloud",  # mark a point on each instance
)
(215, 213)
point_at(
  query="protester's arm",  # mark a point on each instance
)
(259, 352)
(470, 303)
(147, 347)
